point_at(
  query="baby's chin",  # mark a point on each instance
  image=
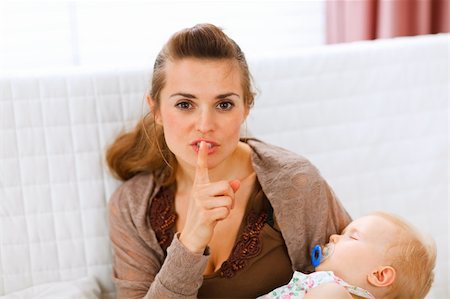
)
(323, 267)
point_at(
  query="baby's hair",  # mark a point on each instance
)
(413, 255)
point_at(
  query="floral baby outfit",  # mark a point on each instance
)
(300, 284)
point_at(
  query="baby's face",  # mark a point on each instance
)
(360, 249)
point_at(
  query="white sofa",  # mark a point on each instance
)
(372, 116)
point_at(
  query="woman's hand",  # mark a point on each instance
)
(209, 203)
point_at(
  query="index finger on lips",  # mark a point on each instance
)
(201, 172)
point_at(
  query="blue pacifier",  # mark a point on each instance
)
(320, 253)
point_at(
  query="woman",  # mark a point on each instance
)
(203, 213)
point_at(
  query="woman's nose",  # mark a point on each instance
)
(205, 122)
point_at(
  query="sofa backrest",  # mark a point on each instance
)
(54, 185)
(371, 115)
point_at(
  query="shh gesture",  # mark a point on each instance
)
(210, 202)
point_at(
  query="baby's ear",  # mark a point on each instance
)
(382, 277)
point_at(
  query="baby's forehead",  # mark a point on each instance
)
(371, 224)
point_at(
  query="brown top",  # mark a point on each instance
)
(268, 270)
(259, 254)
(304, 206)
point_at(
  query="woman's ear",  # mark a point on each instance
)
(246, 112)
(151, 106)
(382, 277)
(150, 103)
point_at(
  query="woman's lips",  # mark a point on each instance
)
(212, 146)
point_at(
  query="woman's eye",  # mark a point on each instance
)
(225, 106)
(184, 105)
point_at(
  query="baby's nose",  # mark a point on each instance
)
(334, 238)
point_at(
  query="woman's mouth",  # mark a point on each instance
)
(208, 144)
(212, 146)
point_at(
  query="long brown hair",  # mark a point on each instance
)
(143, 149)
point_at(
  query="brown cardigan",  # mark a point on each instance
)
(305, 208)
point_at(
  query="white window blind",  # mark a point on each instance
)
(51, 34)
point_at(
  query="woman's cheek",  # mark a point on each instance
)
(234, 126)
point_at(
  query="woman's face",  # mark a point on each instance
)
(202, 100)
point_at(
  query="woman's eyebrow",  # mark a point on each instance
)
(191, 96)
(226, 95)
(184, 95)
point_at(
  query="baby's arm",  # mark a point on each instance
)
(328, 290)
